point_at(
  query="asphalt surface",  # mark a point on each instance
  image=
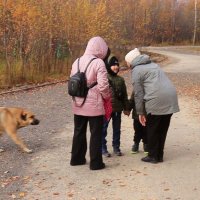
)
(51, 105)
(46, 174)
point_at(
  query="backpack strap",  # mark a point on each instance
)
(89, 87)
(78, 69)
(92, 85)
(89, 64)
(95, 83)
(78, 65)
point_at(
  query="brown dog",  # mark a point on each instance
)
(12, 119)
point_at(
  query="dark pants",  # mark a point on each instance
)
(157, 127)
(140, 132)
(116, 125)
(79, 145)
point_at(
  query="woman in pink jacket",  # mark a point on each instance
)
(92, 110)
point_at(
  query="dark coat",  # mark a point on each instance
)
(119, 93)
(132, 107)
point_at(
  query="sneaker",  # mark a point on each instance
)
(135, 148)
(106, 154)
(149, 159)
(145, 147)
(117, 152)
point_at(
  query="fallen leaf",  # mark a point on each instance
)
(26, 177)
(70, 194)
(22, 194)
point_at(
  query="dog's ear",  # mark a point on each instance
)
(23, 116)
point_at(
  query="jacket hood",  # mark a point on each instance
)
(112, 60)
(97, 47)
(141, 60)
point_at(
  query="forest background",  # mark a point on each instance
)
(39, 39)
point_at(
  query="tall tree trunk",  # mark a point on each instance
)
(49, 64)
(21, 53)
(195, 22)
(173, 20)
(5, 39)
(145, 28)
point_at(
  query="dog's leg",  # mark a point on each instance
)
(17, 140)
(1, 150)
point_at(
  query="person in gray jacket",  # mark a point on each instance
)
(155, 100)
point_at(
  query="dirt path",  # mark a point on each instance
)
(46, 174)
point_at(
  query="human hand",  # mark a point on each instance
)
(142, 120)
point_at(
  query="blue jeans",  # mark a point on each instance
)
(116, 125)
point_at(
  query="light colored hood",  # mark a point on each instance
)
(97, 47)
(141, 60)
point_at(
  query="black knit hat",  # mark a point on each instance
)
(111, 61)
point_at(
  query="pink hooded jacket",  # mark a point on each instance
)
(96, 72)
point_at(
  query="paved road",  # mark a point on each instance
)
(185, 62)
(46, 174)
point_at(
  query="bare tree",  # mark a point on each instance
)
(174, 4)
(195, 22)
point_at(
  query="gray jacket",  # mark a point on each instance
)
(154, 92)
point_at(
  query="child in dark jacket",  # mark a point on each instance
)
(140, 131)
(119, 103)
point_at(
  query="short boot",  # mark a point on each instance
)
(117, 152)
(135, 148)
(99, 167)
(106, 154)
(145, 147)
(149, 159)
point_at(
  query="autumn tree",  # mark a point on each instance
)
(39, 40)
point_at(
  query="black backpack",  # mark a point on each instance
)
(77, 84)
